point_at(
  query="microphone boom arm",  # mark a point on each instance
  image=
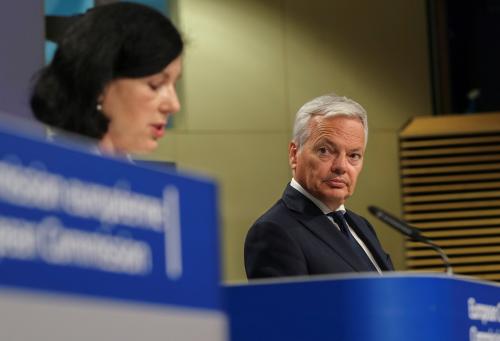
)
(411, 232)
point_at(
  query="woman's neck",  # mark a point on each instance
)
(106, 146)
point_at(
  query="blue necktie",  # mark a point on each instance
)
(339, 219)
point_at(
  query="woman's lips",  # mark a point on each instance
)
(158, 130)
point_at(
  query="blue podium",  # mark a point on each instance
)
(93, 248)
(395, 307)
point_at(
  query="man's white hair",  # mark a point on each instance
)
(328, 106)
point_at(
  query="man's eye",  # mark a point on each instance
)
(323, 150)
(356, 157)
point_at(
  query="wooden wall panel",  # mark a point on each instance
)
(450, 185)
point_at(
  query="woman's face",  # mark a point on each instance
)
(138, 110)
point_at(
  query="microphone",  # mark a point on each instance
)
(412, 232)
(397, 224)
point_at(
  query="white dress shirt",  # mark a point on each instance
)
(325, 209)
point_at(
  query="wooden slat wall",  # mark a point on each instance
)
(450, 180)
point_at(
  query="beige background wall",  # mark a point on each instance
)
(250, 64)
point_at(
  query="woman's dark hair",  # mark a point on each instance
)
(108, 42)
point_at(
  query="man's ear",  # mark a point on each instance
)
(292, 155)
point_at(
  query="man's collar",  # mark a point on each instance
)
(324, 208)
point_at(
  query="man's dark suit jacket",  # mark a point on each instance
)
(295, 238)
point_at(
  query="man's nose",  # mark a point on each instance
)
(339, 164)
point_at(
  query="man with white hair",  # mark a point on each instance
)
(309, 231)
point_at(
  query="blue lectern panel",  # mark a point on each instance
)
(389, 308)
(74, 222)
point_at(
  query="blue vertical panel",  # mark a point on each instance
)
(63, 7)
(159, 5)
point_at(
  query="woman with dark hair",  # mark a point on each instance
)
(113, 78)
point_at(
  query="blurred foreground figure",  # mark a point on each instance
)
(113, 78)
(309, 231)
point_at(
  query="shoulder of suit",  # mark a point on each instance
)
(278, 214)
(276, 209)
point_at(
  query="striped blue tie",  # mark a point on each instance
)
(339, 219)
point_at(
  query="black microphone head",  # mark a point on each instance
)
(408, 230)
(373, 210)
(396, 223)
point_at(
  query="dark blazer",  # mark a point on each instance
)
(295, 238)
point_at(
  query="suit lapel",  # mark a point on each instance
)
(309, 215)
(370, 240)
